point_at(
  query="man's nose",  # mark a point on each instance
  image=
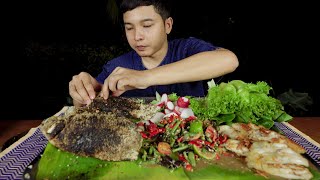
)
(138, 34)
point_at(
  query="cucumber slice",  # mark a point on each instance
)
(203, 153)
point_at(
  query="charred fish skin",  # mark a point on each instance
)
(133, 108)
(106, 133)
(118, 105)
(105, 137)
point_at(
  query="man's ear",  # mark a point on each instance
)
(168, 24)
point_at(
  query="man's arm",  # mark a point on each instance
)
(201, 66)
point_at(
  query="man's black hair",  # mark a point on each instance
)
(163, 7)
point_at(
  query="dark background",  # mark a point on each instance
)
(47, 42)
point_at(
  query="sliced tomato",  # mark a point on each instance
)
(164, 148)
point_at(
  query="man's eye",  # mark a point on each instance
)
(129, 28)
(147, 26)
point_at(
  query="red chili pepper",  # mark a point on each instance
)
(161, 104)
(140, 124)
(144, 135)
(180, 139)
(171, 125)
(223, 139)
(188, 167)
(197, 142)
(182, 124)
(151, 125)
(191, 118)
(161, 130)
(207, 143)
(217, 157)
(171, 118)
(153, 133)
(182, 158)
(153, 129)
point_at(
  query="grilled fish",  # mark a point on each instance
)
(103, 130)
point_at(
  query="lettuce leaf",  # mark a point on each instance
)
(247, 102)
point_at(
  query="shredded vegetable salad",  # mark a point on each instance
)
(174, 137)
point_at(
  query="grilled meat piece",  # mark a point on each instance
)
(103, 130)
(266, 150)
(279, 160)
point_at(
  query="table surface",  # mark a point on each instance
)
(10, 128)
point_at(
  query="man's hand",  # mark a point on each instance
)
(122, 80)
(83, 88)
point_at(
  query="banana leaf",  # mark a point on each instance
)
(57, 164)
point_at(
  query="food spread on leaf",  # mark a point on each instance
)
(233, 121)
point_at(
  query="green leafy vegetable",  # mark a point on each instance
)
(237, 101)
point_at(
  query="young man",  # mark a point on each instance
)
(155, 65)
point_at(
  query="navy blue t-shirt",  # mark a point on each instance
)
(177, 49)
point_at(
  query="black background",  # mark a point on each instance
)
(274, 42)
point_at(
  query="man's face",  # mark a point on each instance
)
(145, 30)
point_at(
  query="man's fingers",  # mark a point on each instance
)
(89, 84)
(90, 90)
(77, 89)
(114, 77)
(83, 87)
(124, 85)
(113, 81)
(117, 93)
(105, 90)
(119, 81)
(75, 95)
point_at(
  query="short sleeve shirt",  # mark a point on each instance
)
(178, 49)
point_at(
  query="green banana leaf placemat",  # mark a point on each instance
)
(56, 164)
